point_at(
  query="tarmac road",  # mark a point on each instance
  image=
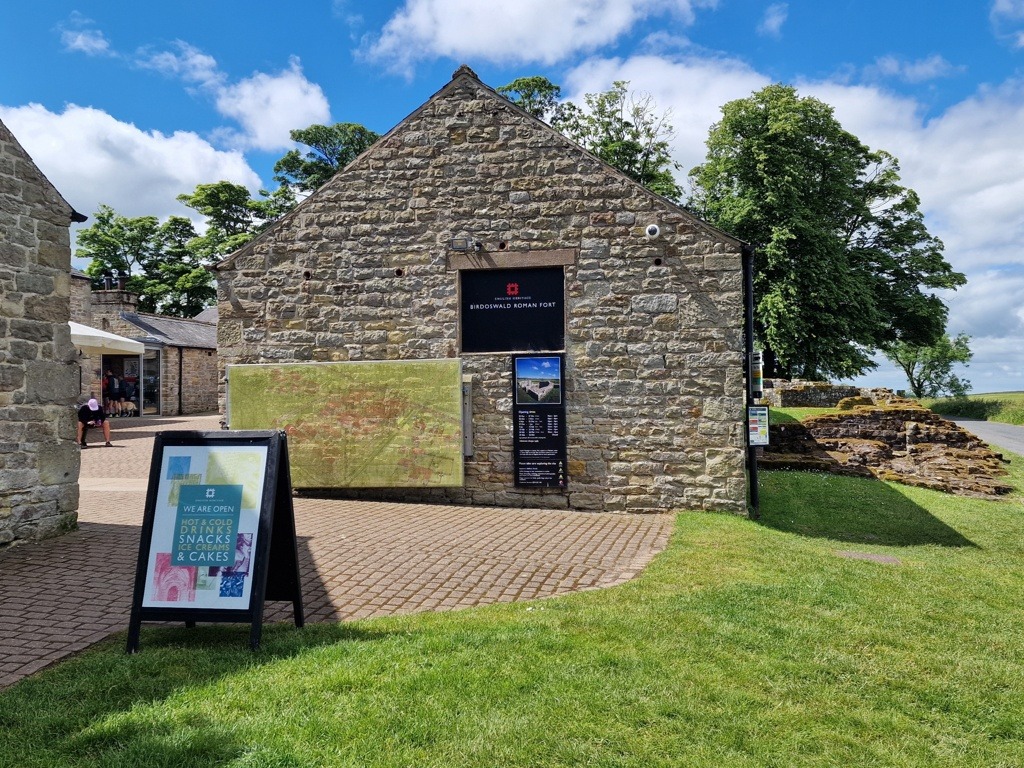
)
(1006, 436)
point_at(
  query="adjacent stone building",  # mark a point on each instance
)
(377, 264)
(39, 460)
(176, 374)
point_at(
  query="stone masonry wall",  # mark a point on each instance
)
(364, 270)
(780, 393)
(199, 377)
(39, 461)
(90, 377)
(81, 299)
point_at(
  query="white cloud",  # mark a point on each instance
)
(186, 62)
(88, 41)
(269, 106)
(1007, 18)
(990, 305)
(535, 31)
(93, 158)
(920, 71)
(771, 23)
(265, 106)
(78, 35)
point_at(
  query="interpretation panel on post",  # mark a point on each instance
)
(538, 412)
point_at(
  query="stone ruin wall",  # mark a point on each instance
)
(892, 438)
(780, 393)
(39, 461)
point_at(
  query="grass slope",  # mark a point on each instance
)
(1005, 407)
(744, 644)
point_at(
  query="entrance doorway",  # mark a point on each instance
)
(126, 369)
(151, 381)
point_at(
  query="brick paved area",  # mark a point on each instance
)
(357, 559)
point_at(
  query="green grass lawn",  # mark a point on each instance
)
(744, 644)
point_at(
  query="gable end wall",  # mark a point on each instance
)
(654, 380)
(39, 461)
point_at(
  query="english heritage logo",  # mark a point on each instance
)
(514, 298)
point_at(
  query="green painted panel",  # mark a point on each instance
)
(393, 424)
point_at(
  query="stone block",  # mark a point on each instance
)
(50, 382)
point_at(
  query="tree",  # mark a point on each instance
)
(233, 216)
(331, 148)
(117, 244)
(179, 281)
(621, 128)
(154, 258)
(844, 261)
(929, 368)
(537, 95)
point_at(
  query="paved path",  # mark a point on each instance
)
(357, 559)
(1009, 437)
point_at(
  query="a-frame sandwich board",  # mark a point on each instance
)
(218, 532)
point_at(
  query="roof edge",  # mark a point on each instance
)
(464, 73)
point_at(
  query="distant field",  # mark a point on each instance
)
(1005, 407)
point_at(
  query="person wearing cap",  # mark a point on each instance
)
(92, 415)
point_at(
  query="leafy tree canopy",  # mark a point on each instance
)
(929, 369)
(233, 216)
(537, 95)
(166, 264)
(156, 259)
(622, 128)
(117, 244)
(331, 147)
(844, 263)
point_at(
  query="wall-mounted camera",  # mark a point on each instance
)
(651, 231)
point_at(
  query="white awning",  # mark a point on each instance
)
(84, 336)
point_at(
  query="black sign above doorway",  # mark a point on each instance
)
(513, 310)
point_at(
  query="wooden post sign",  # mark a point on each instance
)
(218, 532)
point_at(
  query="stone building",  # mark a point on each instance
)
(39, 460)
(648, 302)
(175, 369)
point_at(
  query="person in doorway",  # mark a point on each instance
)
(92, 415)
(115, 393)
(128, 405)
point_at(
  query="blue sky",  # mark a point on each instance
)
(131, 104)
(537, 367)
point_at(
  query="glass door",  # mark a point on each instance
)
(151, 382)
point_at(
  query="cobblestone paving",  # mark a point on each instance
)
(357, 559)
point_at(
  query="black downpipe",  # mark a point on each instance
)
(181, 385)
(748, 332)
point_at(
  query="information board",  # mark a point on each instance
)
(358, 424)
(513, 310)
(218, 532)
(757, 425)
(539, 444)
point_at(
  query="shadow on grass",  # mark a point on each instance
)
(92, 709)
(849, 509)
